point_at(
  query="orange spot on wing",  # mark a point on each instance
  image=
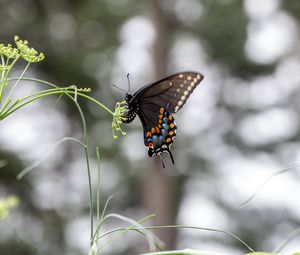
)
(168, 140)
(170, 117)
(157, 130)
(171, 132)
(172, 125)
(161, 111)
(161, 116)
(150, 145)
(160, 121)
(153, 130)
(148, 134)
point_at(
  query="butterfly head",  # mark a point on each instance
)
(128, 97)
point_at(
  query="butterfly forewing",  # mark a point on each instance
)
(171, 92)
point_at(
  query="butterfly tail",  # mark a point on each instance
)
(162, 161)
(171, 156)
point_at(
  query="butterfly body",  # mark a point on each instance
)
(155, 103)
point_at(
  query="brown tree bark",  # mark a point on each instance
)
(160, 189)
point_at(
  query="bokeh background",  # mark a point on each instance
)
(240, 125)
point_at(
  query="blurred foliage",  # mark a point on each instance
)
(6, 204)
(84, 53)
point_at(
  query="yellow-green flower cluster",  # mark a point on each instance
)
(6, 204)
(27, 53)
(23, 50)
(120, 110)
(8, 51)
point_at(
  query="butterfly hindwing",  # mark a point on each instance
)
(159, 132)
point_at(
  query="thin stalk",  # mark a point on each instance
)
(2, 84)
(2, 60)
(125, 230)
(98, 193)
(78, 93)
(102, 219)
(183, 227)
(9, 111)
(146, 233)
(15, 108)
(184, 252)
(290, 238)
(17, 82)
(36, 163)
(85, 141)
(11, 65)
(266, 181)
(3, 63)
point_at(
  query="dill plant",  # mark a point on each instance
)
(9, 57)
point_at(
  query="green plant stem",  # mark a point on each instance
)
(184, 227)
(36, 163)
(289, 239)
(8, 71)
(78, 93)
(14, 108)
(36, 95)
(101, 218)
(267, 180)
(98, 194)
(11, 65)
(41, 95)
(2, 81)
(3, 64)
(85, 141)
(138, 228)
(183, 252)
(5, 74)
(125, 230)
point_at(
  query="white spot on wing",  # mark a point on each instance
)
(181, 75)
(189, 78)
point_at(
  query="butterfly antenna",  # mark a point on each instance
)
(119, 88)
(128, 80)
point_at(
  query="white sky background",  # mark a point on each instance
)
(272, 36)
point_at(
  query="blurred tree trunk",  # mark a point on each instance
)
(161, 189)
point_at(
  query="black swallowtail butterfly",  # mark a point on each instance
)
(155, 103)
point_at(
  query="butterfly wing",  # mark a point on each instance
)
(156, 103)
(171, 92)
(159, 129)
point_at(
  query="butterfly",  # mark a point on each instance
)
(155, 103)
